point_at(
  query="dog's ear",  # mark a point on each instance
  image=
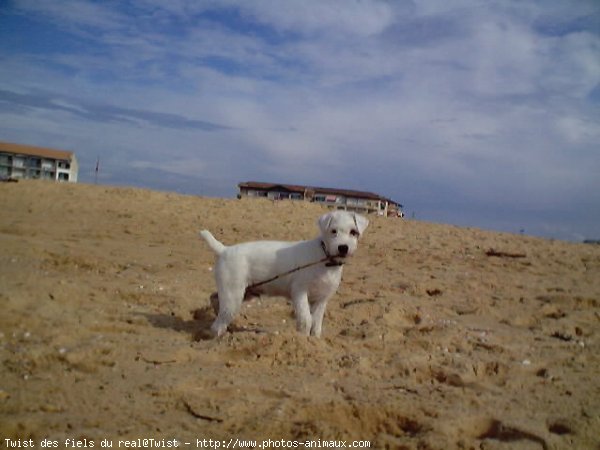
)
(361, 223)
(324, 222)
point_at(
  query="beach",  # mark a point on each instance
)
(439, 337)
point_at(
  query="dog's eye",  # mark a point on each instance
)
(334, 231)
(354, 233)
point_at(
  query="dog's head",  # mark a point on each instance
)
(340, 231)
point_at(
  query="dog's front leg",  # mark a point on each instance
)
(302, 309)
(318, 311)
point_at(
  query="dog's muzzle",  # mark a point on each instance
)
(332, 260)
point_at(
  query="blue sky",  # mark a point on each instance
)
(475, 113)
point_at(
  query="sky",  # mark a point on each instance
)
(476, 113)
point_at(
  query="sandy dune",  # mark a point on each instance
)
(432, 342)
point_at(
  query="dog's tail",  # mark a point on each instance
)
(212, 242)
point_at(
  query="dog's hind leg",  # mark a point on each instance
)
(214, 299)
(229, 305)
(230, 300)
(214, 302)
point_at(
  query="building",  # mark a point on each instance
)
(24, 161)
(345, 199)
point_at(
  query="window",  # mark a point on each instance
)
(356, 201)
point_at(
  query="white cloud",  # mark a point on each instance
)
(436, 100)
(189, 166)
(346, 17)
(579, 130)
(73, 13)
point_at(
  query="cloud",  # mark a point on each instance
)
(307, 17)
(104, 112)
(448, 107)
(188, 167)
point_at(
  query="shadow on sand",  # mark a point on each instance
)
(198, 326)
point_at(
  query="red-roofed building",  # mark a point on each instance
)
(345, 199)
(25, 161)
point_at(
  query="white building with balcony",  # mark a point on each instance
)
(25, 161)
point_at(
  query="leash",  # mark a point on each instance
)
(332, 263)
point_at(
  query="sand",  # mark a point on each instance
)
(432, 341)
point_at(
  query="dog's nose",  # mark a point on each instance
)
(343, 250)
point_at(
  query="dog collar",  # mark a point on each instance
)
(331, 261)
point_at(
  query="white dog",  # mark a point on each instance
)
(307, 272)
